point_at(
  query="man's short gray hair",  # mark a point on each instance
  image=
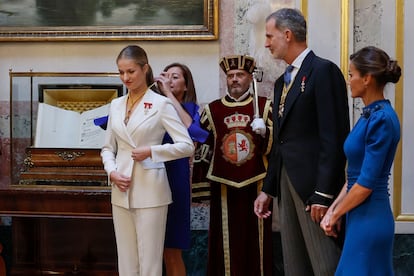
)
(291, 19)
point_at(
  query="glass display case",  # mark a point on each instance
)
(55, 138)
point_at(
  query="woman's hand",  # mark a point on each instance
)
(141, 153)
(121, 181)
(330, 225)
(164, 84)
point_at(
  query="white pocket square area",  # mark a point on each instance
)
(148, 164)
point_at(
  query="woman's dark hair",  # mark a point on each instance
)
(139, 55)
(375, 62)
(190, 95)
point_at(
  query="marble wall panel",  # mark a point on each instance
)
(368, 16)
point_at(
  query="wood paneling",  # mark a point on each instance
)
(60, 230)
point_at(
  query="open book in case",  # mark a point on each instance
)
(54, 140)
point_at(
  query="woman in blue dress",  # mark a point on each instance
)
(370, 150)
(176, 82)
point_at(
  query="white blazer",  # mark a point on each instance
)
(152, 118)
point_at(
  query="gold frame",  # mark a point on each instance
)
(206, 31)
(79, 97)
(399, 98)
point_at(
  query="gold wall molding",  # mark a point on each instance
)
(399, 99)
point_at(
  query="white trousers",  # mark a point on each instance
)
(140, 237)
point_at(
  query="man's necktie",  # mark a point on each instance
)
(287, 75)
(286, 79)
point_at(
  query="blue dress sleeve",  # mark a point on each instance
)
(101, 122)
(197, 133)
(379, 139)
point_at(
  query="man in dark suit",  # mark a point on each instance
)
(307, 164)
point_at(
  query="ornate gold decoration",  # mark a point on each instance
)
(28, 163)
(69, 156)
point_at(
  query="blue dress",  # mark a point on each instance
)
(370, 150)
(178, 232)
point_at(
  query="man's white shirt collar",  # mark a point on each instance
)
(297, 63)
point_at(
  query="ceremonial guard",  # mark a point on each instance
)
(240, 126)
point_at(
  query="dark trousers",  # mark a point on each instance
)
(277, 265)
(307, 251)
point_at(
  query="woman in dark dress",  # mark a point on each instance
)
(370, 149)
(176, 82)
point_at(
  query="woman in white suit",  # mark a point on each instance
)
(133, 157)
